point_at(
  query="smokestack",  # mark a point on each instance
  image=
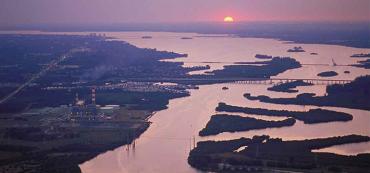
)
(76, 99)
(93, 96)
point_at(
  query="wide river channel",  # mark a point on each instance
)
(165, 146)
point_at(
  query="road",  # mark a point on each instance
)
(49, 67)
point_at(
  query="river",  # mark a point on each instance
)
(165, 146)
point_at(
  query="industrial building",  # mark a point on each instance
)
(82, 111)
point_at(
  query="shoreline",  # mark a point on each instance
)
(201, 34)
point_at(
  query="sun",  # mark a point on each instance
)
(228, 19)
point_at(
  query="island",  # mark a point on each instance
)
(260, 70)
(186, 38)
(296, 49)
(328, 74)
(265, 154)
(361, 55)
(289, 86)
(234, 123)
(351, 95)
(260, 56)
(363, 64)
(313, 116)
(146, 37)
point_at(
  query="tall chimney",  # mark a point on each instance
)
(76, 101)
(93, 96)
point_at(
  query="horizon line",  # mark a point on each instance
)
(191, 22)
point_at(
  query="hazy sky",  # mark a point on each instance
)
(141, 11)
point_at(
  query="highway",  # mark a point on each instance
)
(49, 67)
(241, 80)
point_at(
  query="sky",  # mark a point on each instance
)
(23, 12)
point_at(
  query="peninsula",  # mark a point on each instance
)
(234, 123)
(313, 116)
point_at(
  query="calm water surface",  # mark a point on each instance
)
(165, 146)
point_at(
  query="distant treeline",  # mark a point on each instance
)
(264, 154)
(289, 87)
(311, 117)
(234, 123)
(352, 95)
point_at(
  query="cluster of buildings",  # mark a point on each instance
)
(102, 35)
(131, 86)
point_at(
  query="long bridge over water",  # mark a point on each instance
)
(266, 81)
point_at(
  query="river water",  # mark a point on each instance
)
(165, 146)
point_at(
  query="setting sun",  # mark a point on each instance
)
(228, 19)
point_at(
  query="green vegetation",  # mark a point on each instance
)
(234, 123)
(311, 117)
(262, 153)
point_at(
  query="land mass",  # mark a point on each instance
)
(289, 87)
(264, 70)
(265, 154)
(39, 142)
(328, 74)
(296, 49)
(311, 117)
(234, 123)
(361, 55)
(260, 56)
(351, 95)
(363, 64)
(48, 73)
(346, 34)
(59, 72)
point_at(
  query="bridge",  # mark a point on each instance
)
(265, 81)
(253, 63)
(287, 80)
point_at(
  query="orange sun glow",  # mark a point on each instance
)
(228, 19)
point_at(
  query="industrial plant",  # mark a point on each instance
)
(81, 111)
